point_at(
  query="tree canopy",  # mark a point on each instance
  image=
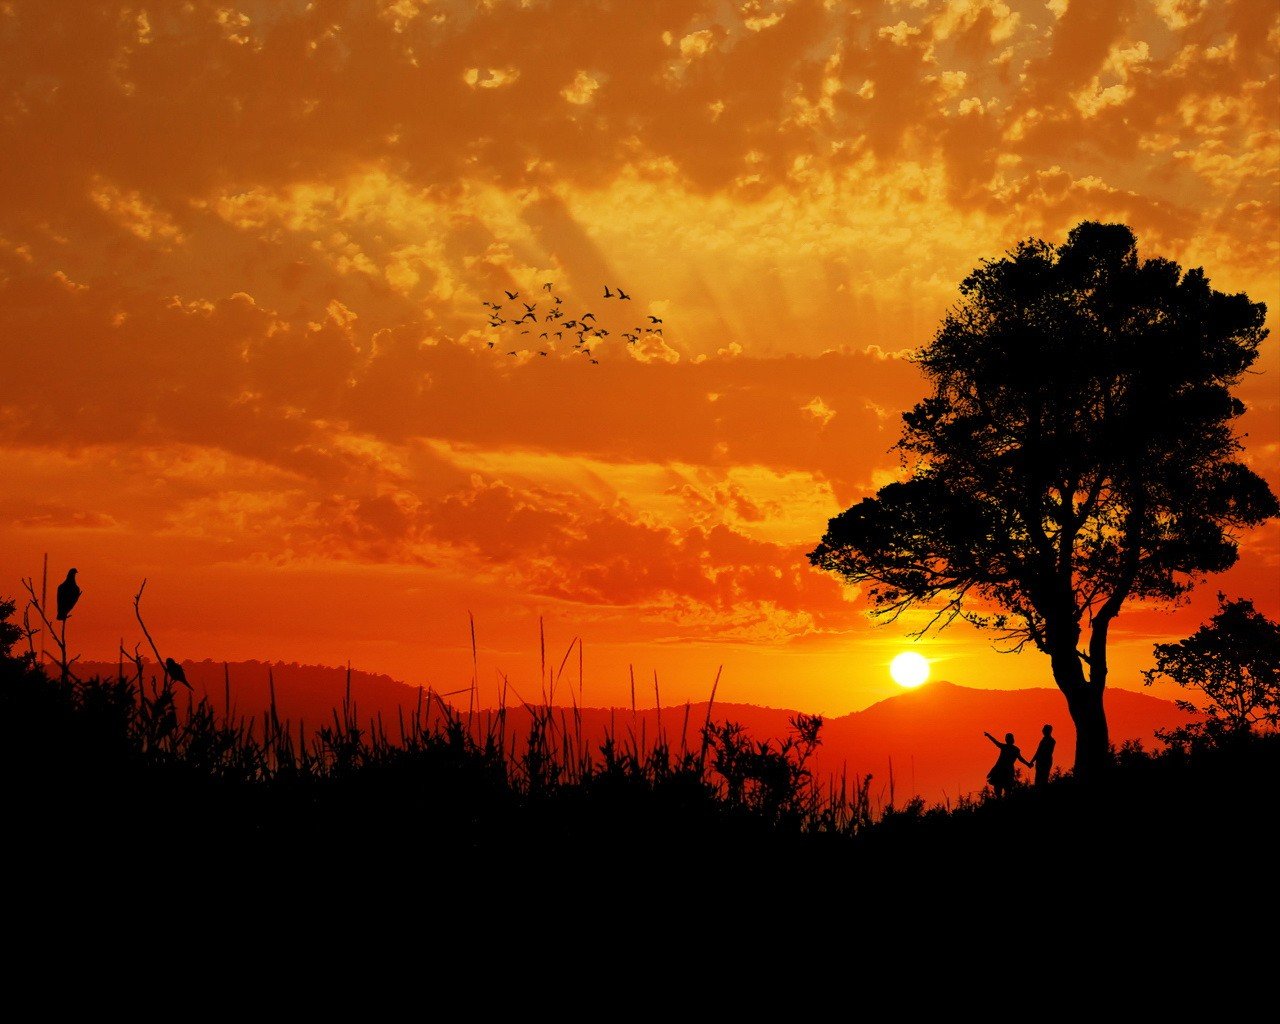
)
(1234, 660)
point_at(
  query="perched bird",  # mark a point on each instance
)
(655, 319)
(175, 672)
(607, 294)
(511, 295)
(622, 294)
(68, 595)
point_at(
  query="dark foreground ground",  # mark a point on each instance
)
(436, 854)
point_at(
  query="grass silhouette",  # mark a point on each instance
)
(115, 784)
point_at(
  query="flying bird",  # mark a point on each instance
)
(607, 294)
(511, 295)
(586, 315)
(596, 361)
(530, 306)
(547, 287)
(528, 316)
(559, 300)
(622, 294)
(542, 353)
(491, 344)
(68, 595)
(543, 334)
(655, 319)
(175, 672)
(511, 353)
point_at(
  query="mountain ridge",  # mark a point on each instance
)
(925, 742)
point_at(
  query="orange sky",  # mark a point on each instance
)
(243, 252)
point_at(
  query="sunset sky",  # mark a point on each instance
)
(243, 251)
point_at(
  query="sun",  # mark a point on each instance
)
(909, 669)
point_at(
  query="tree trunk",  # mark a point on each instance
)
(1084, 702)
(1093, 742)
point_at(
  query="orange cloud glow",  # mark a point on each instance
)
(244, 250)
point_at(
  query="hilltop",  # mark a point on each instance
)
(925, 742)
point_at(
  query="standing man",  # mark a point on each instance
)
(1042, 760)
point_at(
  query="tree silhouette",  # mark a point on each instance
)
(1076, 451)
(1234, 660)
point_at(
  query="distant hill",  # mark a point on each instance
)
(932, 736)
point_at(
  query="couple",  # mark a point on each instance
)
(1004, 772)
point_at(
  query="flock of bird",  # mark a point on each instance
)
(550, 323)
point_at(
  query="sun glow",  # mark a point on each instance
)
(909, 669)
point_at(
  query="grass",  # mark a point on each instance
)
(123, 784)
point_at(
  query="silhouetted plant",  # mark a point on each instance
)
(1076, 451)
(58, 636)
(1234, 660)
(138, 753)
(773, 782)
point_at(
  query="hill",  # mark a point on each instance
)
(926, 742)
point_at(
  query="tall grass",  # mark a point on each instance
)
(138, 755)
(524, 762)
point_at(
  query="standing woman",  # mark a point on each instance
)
(1002, 773)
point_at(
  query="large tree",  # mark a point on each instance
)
(1076, 451)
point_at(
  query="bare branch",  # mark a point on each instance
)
(137, 611)
(59, 636)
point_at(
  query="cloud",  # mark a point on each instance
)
(554, 545)
(243, 255)
(819, 410)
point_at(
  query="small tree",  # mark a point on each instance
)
(1234, 660)
(1075, 452)
(10, 632)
